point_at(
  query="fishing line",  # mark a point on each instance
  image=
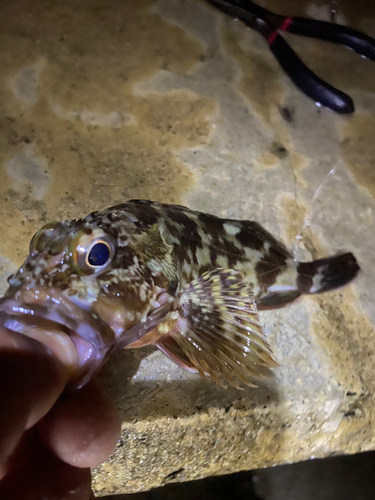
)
(306, 222)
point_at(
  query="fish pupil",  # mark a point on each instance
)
(99, 255)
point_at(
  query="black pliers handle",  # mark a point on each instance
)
(269, 25)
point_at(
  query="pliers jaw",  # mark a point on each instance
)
(269, 25)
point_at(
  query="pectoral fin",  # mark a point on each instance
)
(214, 328)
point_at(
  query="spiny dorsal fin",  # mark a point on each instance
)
(214, 323)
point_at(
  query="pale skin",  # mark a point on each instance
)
(48, 441)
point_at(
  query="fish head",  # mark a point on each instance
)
(80, 288)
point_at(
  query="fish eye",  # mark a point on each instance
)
(93, 251)
(99, 254)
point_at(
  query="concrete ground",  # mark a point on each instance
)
(170, 100)
(349, 477)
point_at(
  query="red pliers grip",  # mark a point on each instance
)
(270, 25)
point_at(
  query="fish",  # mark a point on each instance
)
(147, 273)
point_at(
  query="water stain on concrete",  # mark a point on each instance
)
(292, 218)
(346, 335)
(298, 163)
(267, 160)
(181, 118)
(101, 143)
(259, 83)
(26, 168)
(25, 83)
(338, 324)
(358, 149)
(110, 120)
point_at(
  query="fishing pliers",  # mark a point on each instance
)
(269, 25)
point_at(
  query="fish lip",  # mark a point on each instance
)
(52, 305)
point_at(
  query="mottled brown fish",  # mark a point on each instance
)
(146, 273)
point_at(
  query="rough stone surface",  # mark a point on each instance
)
(171, 101)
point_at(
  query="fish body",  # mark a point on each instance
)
(149, 273)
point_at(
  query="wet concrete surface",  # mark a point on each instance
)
(172, 101)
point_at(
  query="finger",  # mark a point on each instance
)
(82, 429)
(31, 380)
(35, 473)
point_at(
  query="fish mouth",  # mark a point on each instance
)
(77, 337)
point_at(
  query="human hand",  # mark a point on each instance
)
(48, 441)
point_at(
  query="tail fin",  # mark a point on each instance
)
(326, 274)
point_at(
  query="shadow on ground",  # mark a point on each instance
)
(336, 478)
(137, 399)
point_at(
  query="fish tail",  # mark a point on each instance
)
(317, 276)
(326, 274)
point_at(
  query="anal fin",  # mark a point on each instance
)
(171, 348)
